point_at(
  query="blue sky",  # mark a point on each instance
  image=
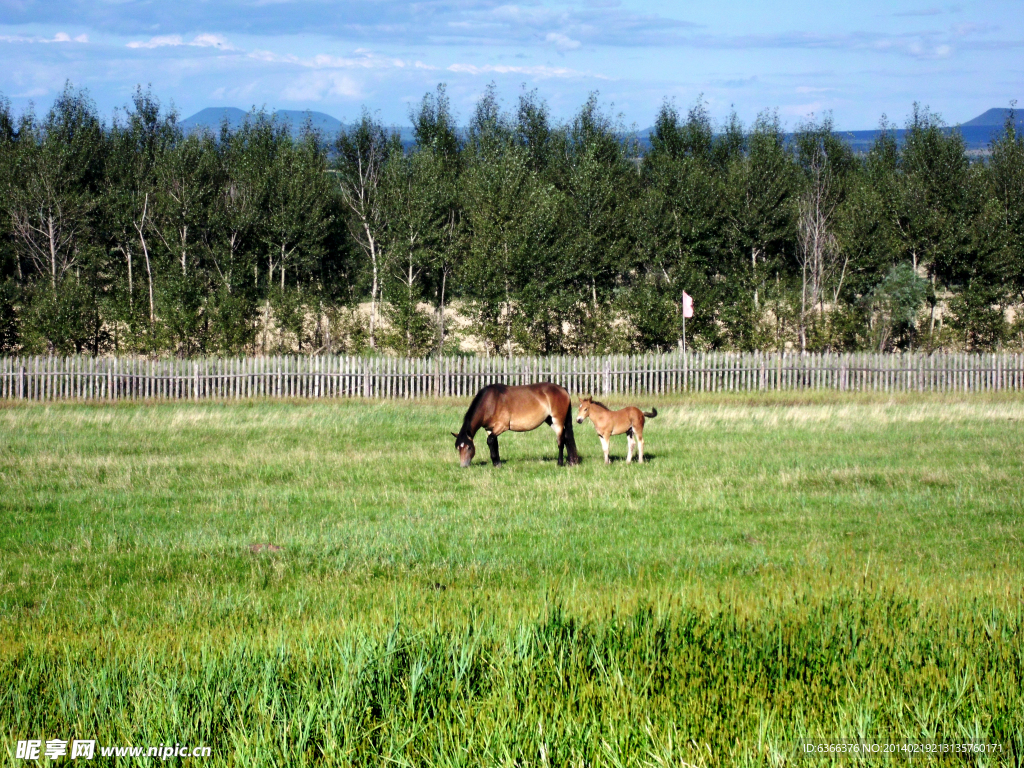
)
(857, 60)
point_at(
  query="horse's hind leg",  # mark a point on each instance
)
(640, 447)
(492, 443)
(629, 446)
(559, 437)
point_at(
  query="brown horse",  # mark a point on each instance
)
(630, 420)
(498, 408)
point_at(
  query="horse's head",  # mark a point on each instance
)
(464, 445)
(584, 409)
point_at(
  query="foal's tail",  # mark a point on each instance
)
(652, 414)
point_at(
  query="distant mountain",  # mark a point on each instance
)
(995, 118)
(978, 132)
(212, 117)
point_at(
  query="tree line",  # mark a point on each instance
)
(539, 236)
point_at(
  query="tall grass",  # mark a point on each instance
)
(781, 573)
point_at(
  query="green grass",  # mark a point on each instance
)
(786, 569)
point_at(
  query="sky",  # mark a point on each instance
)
(855, 61)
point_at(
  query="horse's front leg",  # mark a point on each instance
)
(492, 443)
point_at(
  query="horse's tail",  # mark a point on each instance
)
(568, 438)
(652, 414)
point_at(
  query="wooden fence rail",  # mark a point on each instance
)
(89, 378)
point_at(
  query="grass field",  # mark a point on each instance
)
(786, 569)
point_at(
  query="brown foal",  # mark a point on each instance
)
(628, 421)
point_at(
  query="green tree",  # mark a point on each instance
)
(129, 185)
(184, 220)
(439, 159)
(53, 199)
(678, 229)
(760, 186)
(826, 162)
(893, 306)
(299, 215)
(507, 213)
(595, 177)
(1003, 219)
(362, 154)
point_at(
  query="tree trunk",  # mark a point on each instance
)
(508, 308)
(141, 227)
(753, 265)
(373, 287)
(803, 311)
(53, 253)
(131, 287)
(440, 312)
(184, 250)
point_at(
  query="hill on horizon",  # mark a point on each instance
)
(977, 132)
(996, 118)
(212, 117)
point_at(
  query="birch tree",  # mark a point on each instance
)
(822, 261)
(130, 186)
(59, 164)
(362, 155)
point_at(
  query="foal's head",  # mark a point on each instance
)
(584, 409)
(464, 445)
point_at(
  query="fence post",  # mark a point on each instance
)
(195, 381)
(21, 383)
(606, 378)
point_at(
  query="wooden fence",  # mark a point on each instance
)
(89, 378)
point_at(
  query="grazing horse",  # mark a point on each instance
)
(499, 408)
(630, 420)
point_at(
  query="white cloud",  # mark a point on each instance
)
(212, 41)
(199, 41)
(60, 37)
(364, 59)
(316, 86)
(562, 42)
(542, 72)
(157, 42)
(367, 60)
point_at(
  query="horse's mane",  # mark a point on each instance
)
(598, 402)
(467, 421)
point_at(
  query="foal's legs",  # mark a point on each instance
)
(629, 446)
(605, 442)
(492, 443)
(640, 447)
